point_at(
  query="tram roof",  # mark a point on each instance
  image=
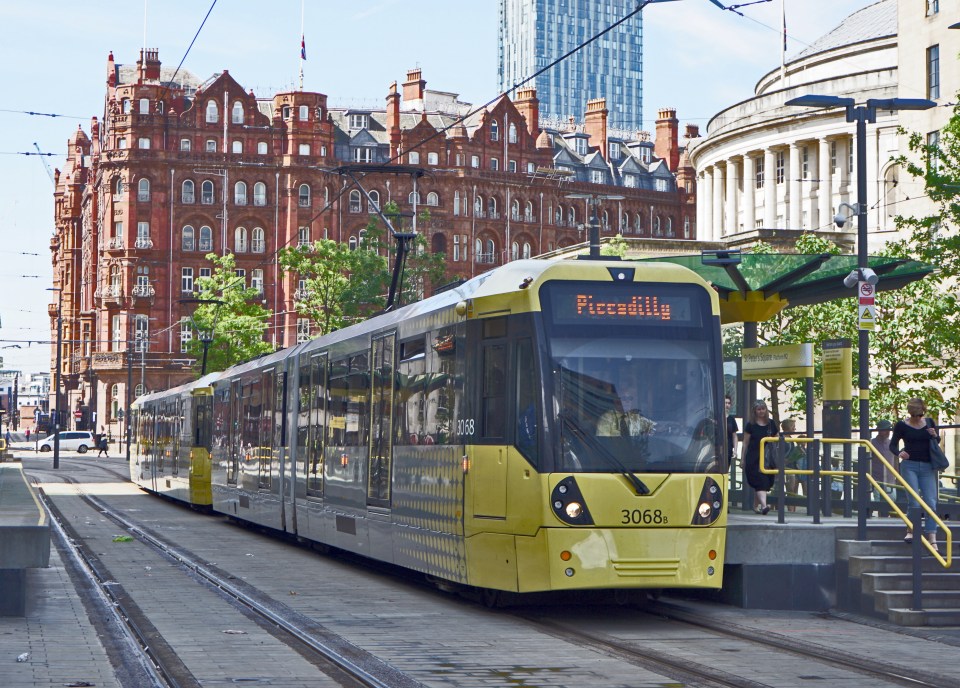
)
(760, 285)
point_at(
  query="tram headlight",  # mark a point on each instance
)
(709, 506)
(568, 503)
(704, 510)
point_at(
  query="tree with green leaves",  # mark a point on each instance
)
(323, 267)
(233, 313)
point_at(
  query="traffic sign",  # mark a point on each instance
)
(868, 317)
(866, 290)
(78, 414)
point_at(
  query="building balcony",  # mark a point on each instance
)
(302, 294)
(486, 258)
(115, 243)
(143, 291)
(143, 243)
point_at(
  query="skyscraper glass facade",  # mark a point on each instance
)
(533, 33)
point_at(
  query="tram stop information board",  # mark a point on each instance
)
(777, 362)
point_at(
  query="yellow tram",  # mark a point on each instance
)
(544, 426)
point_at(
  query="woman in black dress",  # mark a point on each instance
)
(915, 467)
(761, 426)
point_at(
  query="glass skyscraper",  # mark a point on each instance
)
(533, 33)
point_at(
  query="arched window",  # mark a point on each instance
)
(240, 240)
(514, 251)
(257, 242)
(656, 226)
(114, 400)
(413, 198)
(143, 189)
(353, 243)
(477, 249)
(187, 239)
(572, 217)
(669, 226)
(478, 206)
(492, 207)
(433, 199)
(528, 211)
(605, 220)
(373, 203)
(356, 204)
(236, 147)
(259, 193)
(206, 192)
(433, 159)
(240, 193)
(115, 279)
(515, 210)
(413, 157)
(512, 135)
(206, 238)
(303, 196)
(261, 147)
(236, 116)
(118, 186)
(526, 249)
(141, 328)
(456, 203)
(637, 223)
(491, 250)
(125, 106)
(494, 131)
(213, 115)
(139, 390)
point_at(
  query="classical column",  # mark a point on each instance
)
(716, 199)
(701, 205)
(843, 169)
(795, 201)
(824, 190)
(749, 193)
(769, 188)
(731, 215)
(706, 229)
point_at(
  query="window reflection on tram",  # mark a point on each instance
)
(637, 396)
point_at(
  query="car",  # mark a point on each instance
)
(70, 440)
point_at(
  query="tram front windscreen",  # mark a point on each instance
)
(635, 377)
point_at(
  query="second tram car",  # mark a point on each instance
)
(544, 426)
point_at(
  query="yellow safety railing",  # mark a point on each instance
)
(900, 482)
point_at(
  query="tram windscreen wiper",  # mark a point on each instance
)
(590, 441)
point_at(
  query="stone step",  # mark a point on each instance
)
(859, 565)
(926, 617)
(886, 600)
(850, 548)
(877, 582)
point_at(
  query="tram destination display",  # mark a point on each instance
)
(613, 304)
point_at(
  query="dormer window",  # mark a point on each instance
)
(580, 145)
(596, 176)
(613, 151)
(494, 131)
(236, 115)
(630, 181)
(213, 114)
(358, 121)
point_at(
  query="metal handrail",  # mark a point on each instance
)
(945, 562)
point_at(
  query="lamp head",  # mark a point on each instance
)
(850, 281)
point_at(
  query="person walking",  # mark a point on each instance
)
(754, 431)
(102, 445)
(732, 429)
(916, 432)
(28, 434)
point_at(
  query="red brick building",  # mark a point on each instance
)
(176, 169)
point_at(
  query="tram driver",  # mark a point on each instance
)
(625, 418)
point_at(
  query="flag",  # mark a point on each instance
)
(783, 13)
(303, 48)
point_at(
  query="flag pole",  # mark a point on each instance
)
(303, 45)
(783, 45)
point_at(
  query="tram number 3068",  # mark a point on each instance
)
(465, 426)
(644, 516)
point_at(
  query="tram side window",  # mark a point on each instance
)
(411, 397)
(494, 400)
(250, 409)
(527, 413)
(441, 388)
(349, 400)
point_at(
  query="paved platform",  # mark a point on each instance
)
(24, 538)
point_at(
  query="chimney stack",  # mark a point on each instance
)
(414, 86)
(595, 124)
(528, 106)
(393, 119)
(666, 144)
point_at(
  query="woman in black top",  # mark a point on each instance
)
(761, 426)
(732, 429)
(915, 432)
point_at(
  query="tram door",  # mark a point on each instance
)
(381, 420)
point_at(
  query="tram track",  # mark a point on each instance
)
(710, 674)
(346, 664)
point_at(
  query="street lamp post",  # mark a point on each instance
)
(593, 200)
(205, 335)
(862, 114)
(56, 378)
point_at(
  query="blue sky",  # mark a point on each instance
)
(697, 59)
